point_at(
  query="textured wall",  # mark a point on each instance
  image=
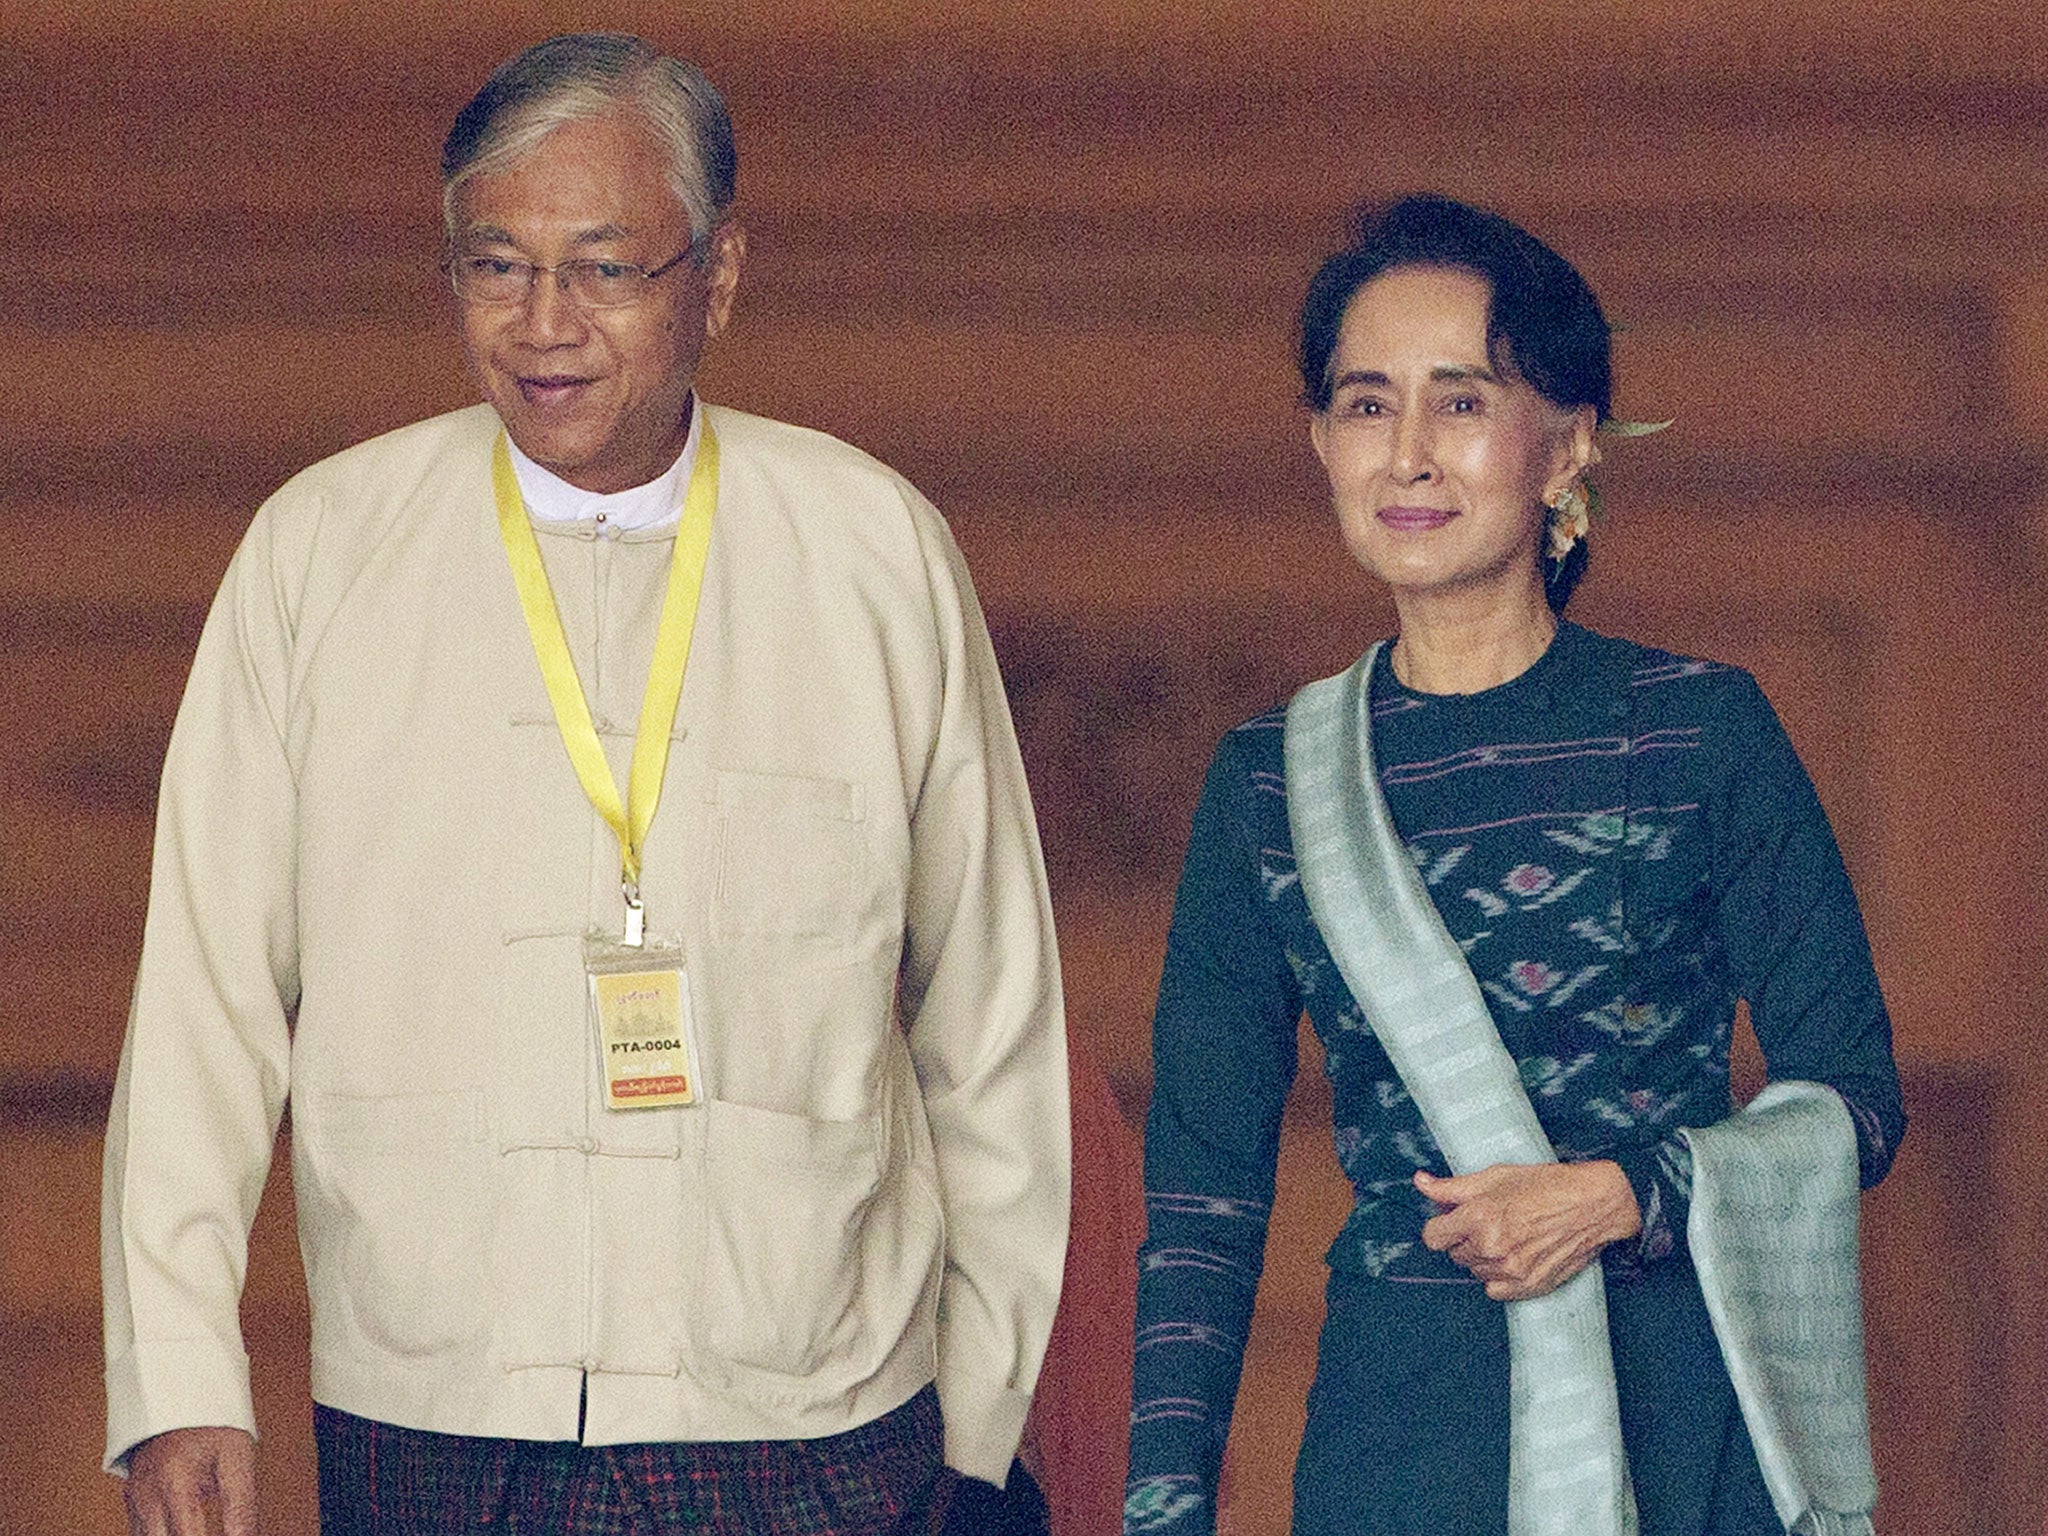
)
(1046, 266)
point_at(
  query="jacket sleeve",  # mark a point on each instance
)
(205, 1063)
(980, 999)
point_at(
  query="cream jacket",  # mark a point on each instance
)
(374, 869)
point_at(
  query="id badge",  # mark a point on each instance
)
(640, 1003)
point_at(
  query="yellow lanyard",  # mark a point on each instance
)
(664, 678)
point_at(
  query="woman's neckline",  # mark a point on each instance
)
(1561, 642)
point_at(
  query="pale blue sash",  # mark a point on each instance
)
(1773, 1223)
(1773, 1235)
(1567, 1471)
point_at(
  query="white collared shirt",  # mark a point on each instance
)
(658, 503)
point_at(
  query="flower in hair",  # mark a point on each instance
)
(1573, 508)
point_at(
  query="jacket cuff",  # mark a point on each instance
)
(984, 1422)
(174, 1384)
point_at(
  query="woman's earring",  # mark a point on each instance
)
(1571, 516)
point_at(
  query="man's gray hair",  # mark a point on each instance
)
(582, 75)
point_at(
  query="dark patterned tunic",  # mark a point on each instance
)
(1623, 843)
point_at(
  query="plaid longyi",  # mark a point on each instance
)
(380, 1479)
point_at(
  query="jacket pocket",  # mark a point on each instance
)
(790, 856)
(404, 1202)
(787, 1199)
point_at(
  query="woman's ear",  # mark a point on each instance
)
(1585, 452)
(1319, 435)
(1576, 450)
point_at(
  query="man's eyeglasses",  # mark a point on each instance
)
(588, 282)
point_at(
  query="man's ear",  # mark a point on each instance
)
(722, 276)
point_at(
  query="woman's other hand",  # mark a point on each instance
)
(1525, 1230)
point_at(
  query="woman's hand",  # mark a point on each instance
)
(1526, 1229)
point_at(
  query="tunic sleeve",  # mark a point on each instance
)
(1793, 934)
(1223, 1044)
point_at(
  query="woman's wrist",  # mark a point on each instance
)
(1612, 1200)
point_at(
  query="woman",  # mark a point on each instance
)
(1620, 841)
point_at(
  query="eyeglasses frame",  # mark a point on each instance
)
(534, 269)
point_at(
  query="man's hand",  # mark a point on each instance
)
(174, 1476)
(1525, 1230)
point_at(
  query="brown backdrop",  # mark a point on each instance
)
(1046, 266)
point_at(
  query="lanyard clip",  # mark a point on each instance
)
(636, 914)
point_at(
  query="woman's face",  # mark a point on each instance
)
(1438, 465)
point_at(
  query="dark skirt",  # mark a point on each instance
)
(1408, 1418)
(380, 1480)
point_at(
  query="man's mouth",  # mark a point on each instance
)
(546, 389)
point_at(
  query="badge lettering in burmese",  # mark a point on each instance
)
(643, 1031)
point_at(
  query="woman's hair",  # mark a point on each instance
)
(1543, 324)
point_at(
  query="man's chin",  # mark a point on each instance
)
(562, 448)
(589, 443)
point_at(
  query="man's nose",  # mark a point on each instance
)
(552, 317)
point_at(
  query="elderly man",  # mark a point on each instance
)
(700, 1170)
